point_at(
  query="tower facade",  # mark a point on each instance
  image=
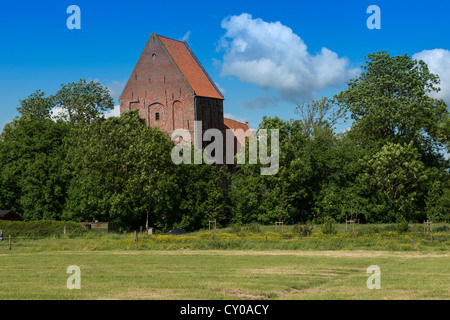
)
(171, 89)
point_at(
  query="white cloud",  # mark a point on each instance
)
(57, 113)
(60, 113)
(233, 117)
(115, 112)
(222, 90)
(271, 55)
(115, 88)
(186, 36)
(438, 61)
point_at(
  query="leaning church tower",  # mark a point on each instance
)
(171, 89)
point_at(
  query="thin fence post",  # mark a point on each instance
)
(412, 242)
(9, 242)
(135, 236)
(64, 230)
(266, 242)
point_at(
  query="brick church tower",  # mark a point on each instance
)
(171, 89)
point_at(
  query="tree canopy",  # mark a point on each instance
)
(388, 167)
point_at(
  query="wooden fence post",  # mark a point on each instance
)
(9, 242)
(135, 236)
(279, 223)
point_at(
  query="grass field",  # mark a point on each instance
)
(212, 274)
(229, 265)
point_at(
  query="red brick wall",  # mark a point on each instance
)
(157, 86)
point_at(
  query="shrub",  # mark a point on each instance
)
(328, 226)
(41, 228)
(303, 230)
(402, 226)
(253, 228)
(443, 228)
(235, 228)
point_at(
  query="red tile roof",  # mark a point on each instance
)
(234, 125)
(191, 68)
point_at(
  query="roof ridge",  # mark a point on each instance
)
(234, 120)
(182, 41)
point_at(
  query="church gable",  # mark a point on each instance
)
(156, 86)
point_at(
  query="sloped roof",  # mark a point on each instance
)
(5, 212)
(191, 68)
(233, 124)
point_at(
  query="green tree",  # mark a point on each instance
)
(438, 199)
(31, 178)
(279, 197)
(391, 180)
(82, 101)
(203, 196)
(390, 102)
(36, 105)
(120, 171)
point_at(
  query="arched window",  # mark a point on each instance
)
(157, 116)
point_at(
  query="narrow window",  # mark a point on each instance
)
(157, 116)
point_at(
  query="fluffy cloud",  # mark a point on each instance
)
(438, 61)
(186, 36)
(57, 113)
(115, 112)
(271, 55)
(233, 117)
(222, 90)
(115, 88)
(60, 113)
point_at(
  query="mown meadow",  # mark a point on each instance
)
(239, 262)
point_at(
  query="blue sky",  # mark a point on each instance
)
(266, 55)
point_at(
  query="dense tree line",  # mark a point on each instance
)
(388, 166)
